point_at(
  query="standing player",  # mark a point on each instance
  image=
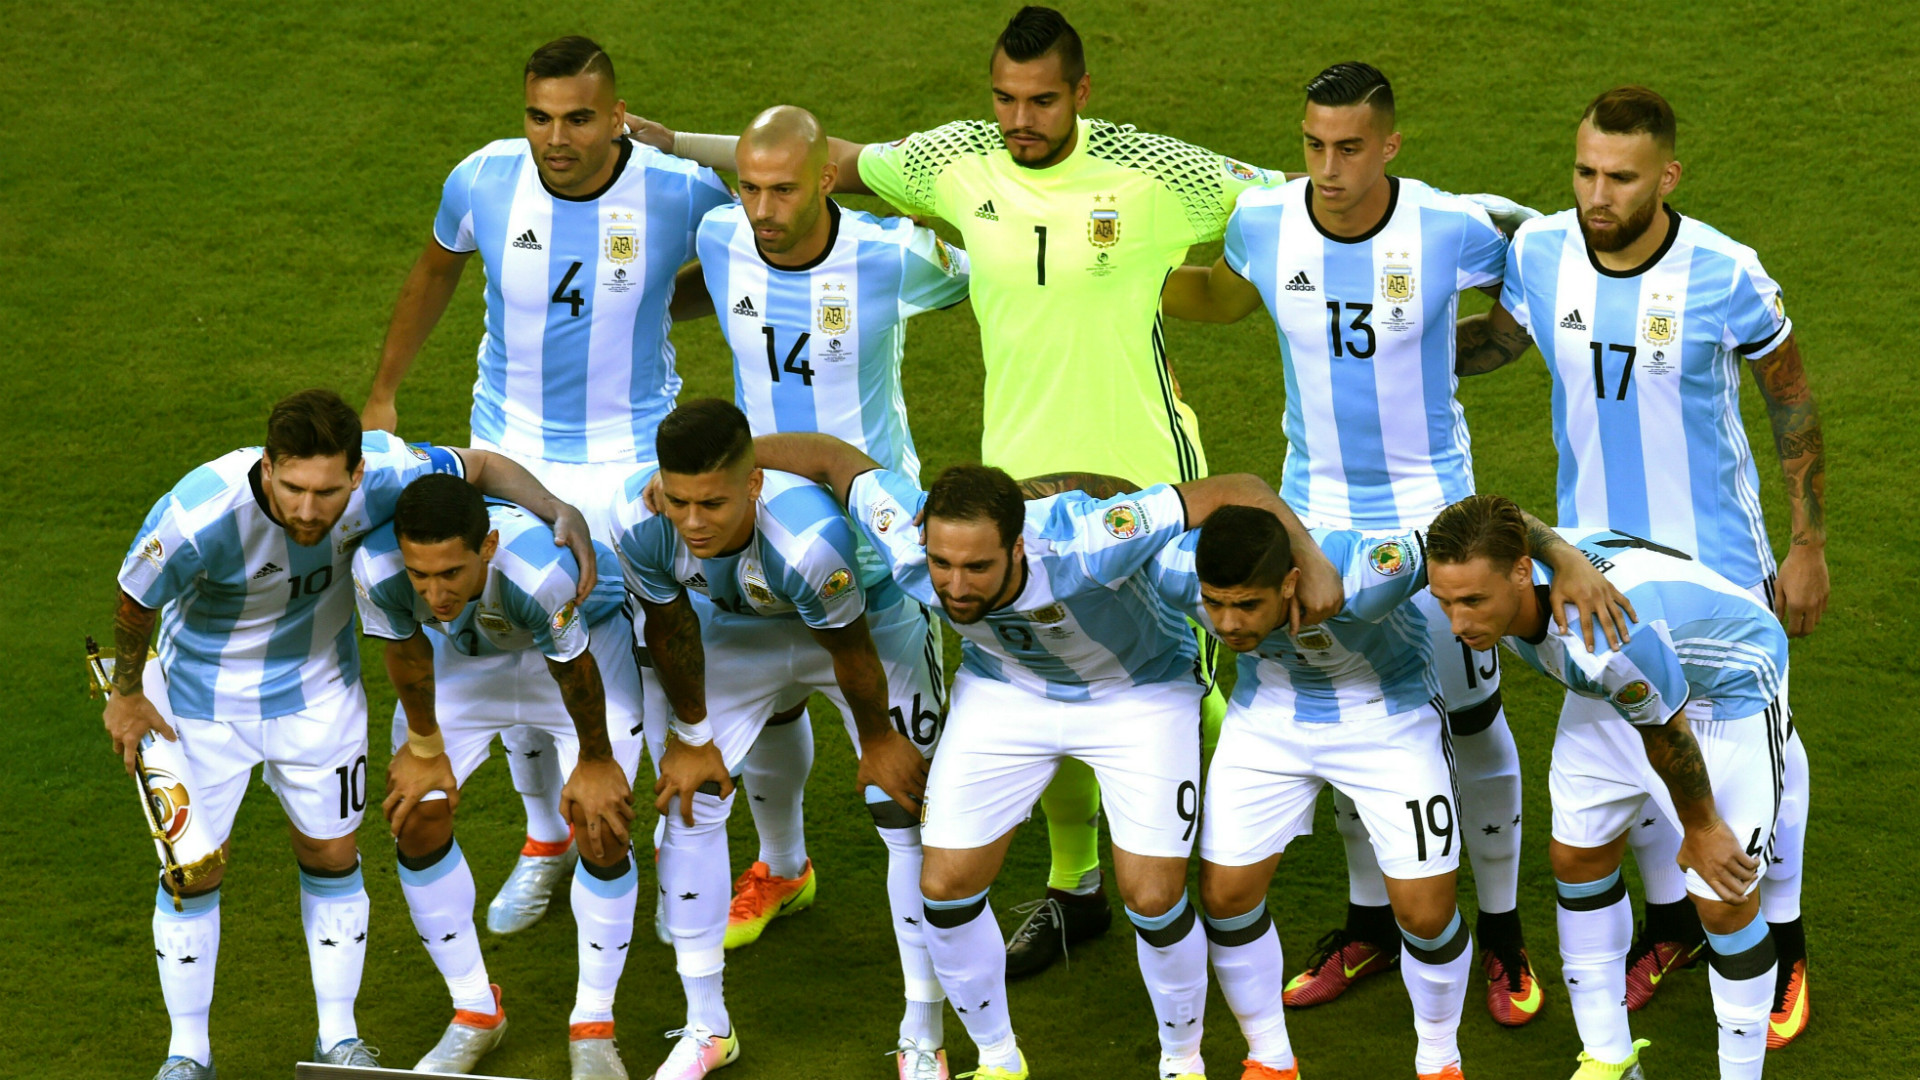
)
(1071, 224)
(581, 232)
(1643, 317)
(259, 665)
(814, 299)
(511, 644)
(1698, 693)
(788, 610)
(1361, 273)
(1067, 655)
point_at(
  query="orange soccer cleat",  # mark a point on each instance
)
(759, 897)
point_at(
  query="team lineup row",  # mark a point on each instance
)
(1363, 599)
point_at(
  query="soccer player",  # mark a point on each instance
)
(789, 608)
(1353, 703)
(1071, 225)
(1361, 273)
(1643, 317)
(1066, 655)
(259, 665)
(1699, 693)
(511, 643)
(813, 300)
(581, 231)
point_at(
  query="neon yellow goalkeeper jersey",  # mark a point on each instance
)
(1068, 262)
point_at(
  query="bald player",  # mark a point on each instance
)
(813, 299)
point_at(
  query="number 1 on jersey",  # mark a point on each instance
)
(802, 368)
(1040, 259)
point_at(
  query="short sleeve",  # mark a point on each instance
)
(1115, 538)
(549, 612)
(392, 465)
(1174, 576)
(707, 193)
(646, 552)
(933, 274)
(1200, 187)
(381, 590)
(1513, 290)
(1379, 573)
(163, 561)
(824, 583)
(1756, 319)
(907, 172)
(1645, 681)
(1235, 254)
(1483, 249)
(453, 223)
(883, 505)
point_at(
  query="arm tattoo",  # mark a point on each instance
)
(1481, 347)
(410, 670)
(856, 667)
(1797, 436)
(673, 640)
(1098, 485)
(1541, 540)
(1675, 755)
(586, 702)
(132, 630)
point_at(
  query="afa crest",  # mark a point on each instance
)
(1396, 284)
(1389, 558)
(623, 244)
(1103, 228)
(1315, 638)
(172, 806)
(833, 315)
(1659, 327)
(837, 583)
(1124, 521)
(1633, 696)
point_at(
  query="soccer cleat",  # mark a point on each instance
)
(1451, 1072)
(1001, 1072)
(1339, 961)
(697, 1053)
(1651, 962)
(185, 1068)
(759, 897)
(1182, 1068)
(1054, 922)
(469, 1038)
(1790, 1007)
(1592, 1068)
(524, 898)
(1514, 995)
(919, 1061)
(1254, 1070)
(354, 1051)
(591, 1053)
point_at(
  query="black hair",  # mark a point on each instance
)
(1243, 545)
(703, 436)
(563, 58)
(313, 423)
(1634, 110)
(1353, 83)
(439, 507)
(979, 493)
(1034, 31)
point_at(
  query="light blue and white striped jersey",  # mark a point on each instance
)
(526, 602)
(1370, 660)
(251, 625)
(1086, 622)
(1700, 640)
(576, 364)
(1646, 384)
(1375, 437)
(802, 562)
(818, 347)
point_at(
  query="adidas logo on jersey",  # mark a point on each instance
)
(745, 307)
(267, 571)
(1572, 321)
(1300, 283)
(528, 240)
(986, 211)
(697, 581)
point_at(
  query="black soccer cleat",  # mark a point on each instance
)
(1054, 922)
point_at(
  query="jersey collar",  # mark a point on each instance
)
(1393, 203)
(833, 240)
(1673, 230)
(260, 492)
(619, 169)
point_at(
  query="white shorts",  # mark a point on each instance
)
(1397, 770)
(594, 489)
(478, 697)
(758, 666)
(1003, 745)
(315, 761)
(1602, 785)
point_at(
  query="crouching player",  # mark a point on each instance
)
(245, 563)
(787, 609)
(1353, 703)
(511, 646)
(1698, 694)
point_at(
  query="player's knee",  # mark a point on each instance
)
(943, 877)
(427, 829)
(1155, 896)
(1426, 917)
(1720, 917)
(1575, 865)
(1225, 894)
(334, 855)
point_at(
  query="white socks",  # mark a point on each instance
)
(1596, 930)
(695, 882)
(1780, 888)
(898, 829)
(440, 894)
(1173, 963)
(333, 909)
(603, 904)
(1247, 962)
(971, 957)
(1435, 972)
(1656, 846)
(535, 765)
(1741, 976)
(1488, 778)
(775, 778)
(185, 946)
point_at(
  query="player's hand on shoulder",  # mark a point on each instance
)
(1800, 593)
(570, 532)
(1320, 595)
(410, 779)
(1715, 854)
(128, 718)
(683, 769)
(894, 765)
(658, 136)
(599, 802)
(1600, 605)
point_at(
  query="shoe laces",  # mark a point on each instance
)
(1331, 944)
(1513, 964)
(750, 891)
(921, 1061)
(692, 1040)
(1038, 914)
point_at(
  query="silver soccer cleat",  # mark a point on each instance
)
(184, 1068)
(524, 898)
(595, 1059)
(461, 1048)
(354, 1051)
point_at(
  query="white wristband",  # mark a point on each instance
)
(699, 734)
(713, 151)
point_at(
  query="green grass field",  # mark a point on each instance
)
(204, 207)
